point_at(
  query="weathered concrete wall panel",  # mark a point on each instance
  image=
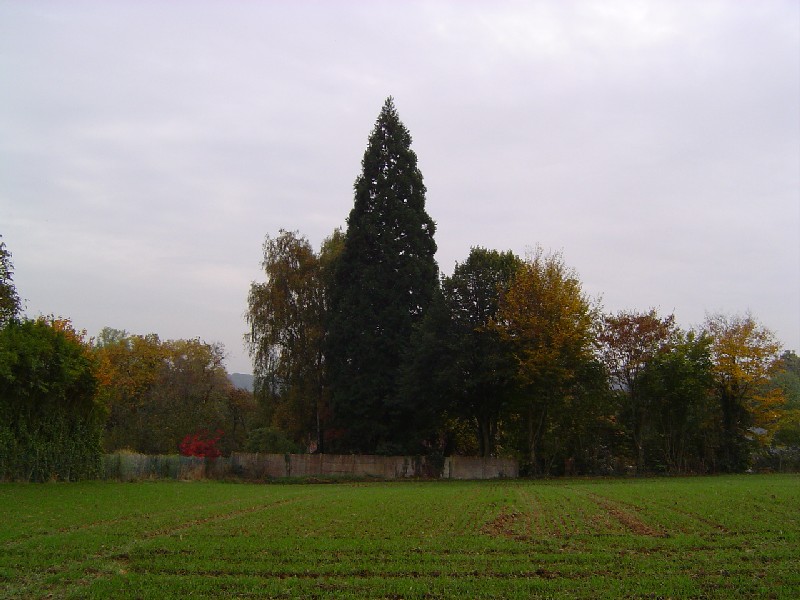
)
(259, 467)
(472, 467)
(383, 467)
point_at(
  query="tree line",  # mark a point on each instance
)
(363, 347)
(66, 398)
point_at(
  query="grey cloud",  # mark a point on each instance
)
(147, 148)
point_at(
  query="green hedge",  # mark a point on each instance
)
(50, 423)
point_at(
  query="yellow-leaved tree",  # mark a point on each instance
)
(552, 325)
(745, 357)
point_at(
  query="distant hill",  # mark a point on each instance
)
(242, 380)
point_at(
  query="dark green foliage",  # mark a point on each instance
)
(463, 362)
(427, 382)
(784, 452)
(486, 365)
(382, 285)
(583, 436)
(683, 428)
(628, 342)
(50, 424)
(790, 363)
(270, 440)
(9, 300)
(576, 429)
(788, 380)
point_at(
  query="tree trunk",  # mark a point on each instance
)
(485, 437)
(535, 427)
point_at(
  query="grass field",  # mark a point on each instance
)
(717, 537)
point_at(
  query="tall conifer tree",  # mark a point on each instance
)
(383, 283)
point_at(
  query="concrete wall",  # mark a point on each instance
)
(474, 467)
(259, 467)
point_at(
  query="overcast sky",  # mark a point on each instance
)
(146, 148)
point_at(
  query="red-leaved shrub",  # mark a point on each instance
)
(201, 444)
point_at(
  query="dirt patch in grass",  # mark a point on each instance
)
(505, 525)
(626, 517)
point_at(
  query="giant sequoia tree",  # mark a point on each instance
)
(382, 285)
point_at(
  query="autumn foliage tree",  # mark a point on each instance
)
(551, 325)
(201, 444)
(745, 356)
(287, 314)
(129, 367)
(629, 341)
(159, 391)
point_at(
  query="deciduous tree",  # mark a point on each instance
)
(628, 342)
(552, 325)
(485, 367)
(9, 300)
(785, 448)
(287, 315)
(745, 356)
(50, 420)
(129, 367)
(675, 384)
(158, 392)
(787, 378)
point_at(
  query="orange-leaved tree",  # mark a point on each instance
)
(629, 341)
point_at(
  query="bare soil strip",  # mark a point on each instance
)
(502, 525)
(628, 519)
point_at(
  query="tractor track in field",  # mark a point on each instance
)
(718, 527)
(8, 544)
(625, 515)
(366, 574)
(117, 558)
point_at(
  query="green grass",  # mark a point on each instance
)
(717, 537)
